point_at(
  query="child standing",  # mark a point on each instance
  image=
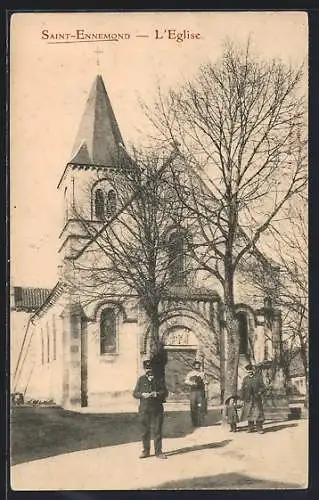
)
(231, 412)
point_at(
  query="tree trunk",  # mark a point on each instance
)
(221, 353)
(231, 340)
(284, 362)
(304, 357)
(231, 352)
(157, 353)
(159, 361)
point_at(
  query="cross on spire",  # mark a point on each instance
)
(97, 52)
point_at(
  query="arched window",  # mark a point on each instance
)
(99, 204)
(110, 204)
(107, 331)
(243, 332)
(176, 256)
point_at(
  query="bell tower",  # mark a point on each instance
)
(86, 183)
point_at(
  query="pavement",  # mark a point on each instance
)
(208, 458)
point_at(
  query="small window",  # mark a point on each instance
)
(111, 204)
(176, 255)
(42, 347)
(99, 204)
(48, 343)
(108, 331)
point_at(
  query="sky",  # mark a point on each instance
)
(50, 82)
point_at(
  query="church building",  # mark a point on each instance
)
(81, 351)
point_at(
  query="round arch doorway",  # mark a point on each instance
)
(181, 346)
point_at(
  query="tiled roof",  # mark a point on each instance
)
(29, 299)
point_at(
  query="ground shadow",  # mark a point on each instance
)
(275, 428)
(199, 447)
(178, 423)
(227, 481)
(39, 432)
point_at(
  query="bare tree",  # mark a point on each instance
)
(240, 126)
(289, 241)
(128, 253)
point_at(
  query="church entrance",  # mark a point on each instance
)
(181, 349)
(179, 363)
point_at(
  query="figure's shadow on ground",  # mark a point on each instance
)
(228, 481)
(275, 428)
(271, 428)
(178, 423)
(39, 432)
(199, 447)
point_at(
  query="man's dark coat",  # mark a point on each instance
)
(251, 393)
(151, 411)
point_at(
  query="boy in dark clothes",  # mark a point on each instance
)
(231, 412)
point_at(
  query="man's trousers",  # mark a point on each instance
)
(149, 419)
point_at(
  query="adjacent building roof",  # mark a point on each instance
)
(29, 299)
(98, 138)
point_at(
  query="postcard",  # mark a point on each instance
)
(158, 282)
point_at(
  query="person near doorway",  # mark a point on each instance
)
(251, 394)
(198, 404)
(232, 406)
(152, 393)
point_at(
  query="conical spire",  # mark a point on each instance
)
(98, 138)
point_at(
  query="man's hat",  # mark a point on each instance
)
(234, 396)
(147, 364)
(196, 363)
(249, 367)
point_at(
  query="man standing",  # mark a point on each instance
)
(251, 394)
(152, 393)
(196, 380)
